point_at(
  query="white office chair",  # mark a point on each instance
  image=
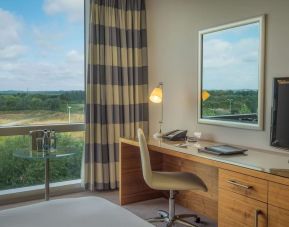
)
(172, 181)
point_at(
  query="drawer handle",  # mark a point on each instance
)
(239, 184)
(257, 213)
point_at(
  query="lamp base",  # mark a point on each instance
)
(158, 135)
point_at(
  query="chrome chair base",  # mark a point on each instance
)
(164, 217)
(170, 218)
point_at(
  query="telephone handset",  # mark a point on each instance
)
(176, 135)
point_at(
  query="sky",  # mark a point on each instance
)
(41, 45)
(231, 58)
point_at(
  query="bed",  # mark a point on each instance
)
(71, 212)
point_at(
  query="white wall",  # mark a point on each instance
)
(173, 49)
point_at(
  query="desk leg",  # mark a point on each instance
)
(47, 179)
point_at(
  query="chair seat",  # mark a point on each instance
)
(176, 181)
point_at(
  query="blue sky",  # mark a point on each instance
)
(231, 58)
(41, 45)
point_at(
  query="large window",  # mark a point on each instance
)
(41, 84)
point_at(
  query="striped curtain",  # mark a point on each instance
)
(116, 86)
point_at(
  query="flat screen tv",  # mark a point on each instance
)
(280, 113)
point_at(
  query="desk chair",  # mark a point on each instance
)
(172, 181)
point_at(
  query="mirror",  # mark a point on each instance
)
(231, 62)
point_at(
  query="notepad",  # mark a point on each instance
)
(223, 150)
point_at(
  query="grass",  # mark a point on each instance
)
(13, 118)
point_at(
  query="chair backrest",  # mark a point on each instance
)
(145, 157)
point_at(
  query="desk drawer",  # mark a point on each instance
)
(248, 186)
(279, 195)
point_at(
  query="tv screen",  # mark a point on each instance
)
(280, 114)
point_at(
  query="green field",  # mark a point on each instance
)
(41, 117)
(34, 108)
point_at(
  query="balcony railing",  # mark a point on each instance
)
(242, 118)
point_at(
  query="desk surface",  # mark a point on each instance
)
(259, 160)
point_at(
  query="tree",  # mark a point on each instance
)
(35, 103)
(244, 109)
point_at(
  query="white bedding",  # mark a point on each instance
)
(72, 212)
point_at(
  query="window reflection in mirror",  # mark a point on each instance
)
(231, 77)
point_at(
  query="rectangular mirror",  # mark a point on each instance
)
(231, 73)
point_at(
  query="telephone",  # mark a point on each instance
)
(176, 135)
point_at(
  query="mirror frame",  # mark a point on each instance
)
(260, 125)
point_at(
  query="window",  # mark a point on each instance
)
(41, 84)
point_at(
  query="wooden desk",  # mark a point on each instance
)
(229, 204)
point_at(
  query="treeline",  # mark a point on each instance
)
(56, 101)
(230, 102)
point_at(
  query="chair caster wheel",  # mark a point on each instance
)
(198, 220)
(163, 214)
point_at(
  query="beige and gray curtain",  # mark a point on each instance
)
(116, 86)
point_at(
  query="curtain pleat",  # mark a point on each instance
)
(116, 86)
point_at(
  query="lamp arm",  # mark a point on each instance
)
(162, 107)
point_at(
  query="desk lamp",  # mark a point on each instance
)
(157, 97)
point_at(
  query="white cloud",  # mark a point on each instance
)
(10, 27)
(218, 53)
(12, 52)
(47, 39)
(41, 76)
(10, 41)
(231, 65)
(73, 9)
(74, 56)
(47, 66)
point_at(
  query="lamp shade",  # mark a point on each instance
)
(157, 95)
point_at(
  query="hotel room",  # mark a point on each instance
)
(138, 113)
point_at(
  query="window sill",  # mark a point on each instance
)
(37, 191)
